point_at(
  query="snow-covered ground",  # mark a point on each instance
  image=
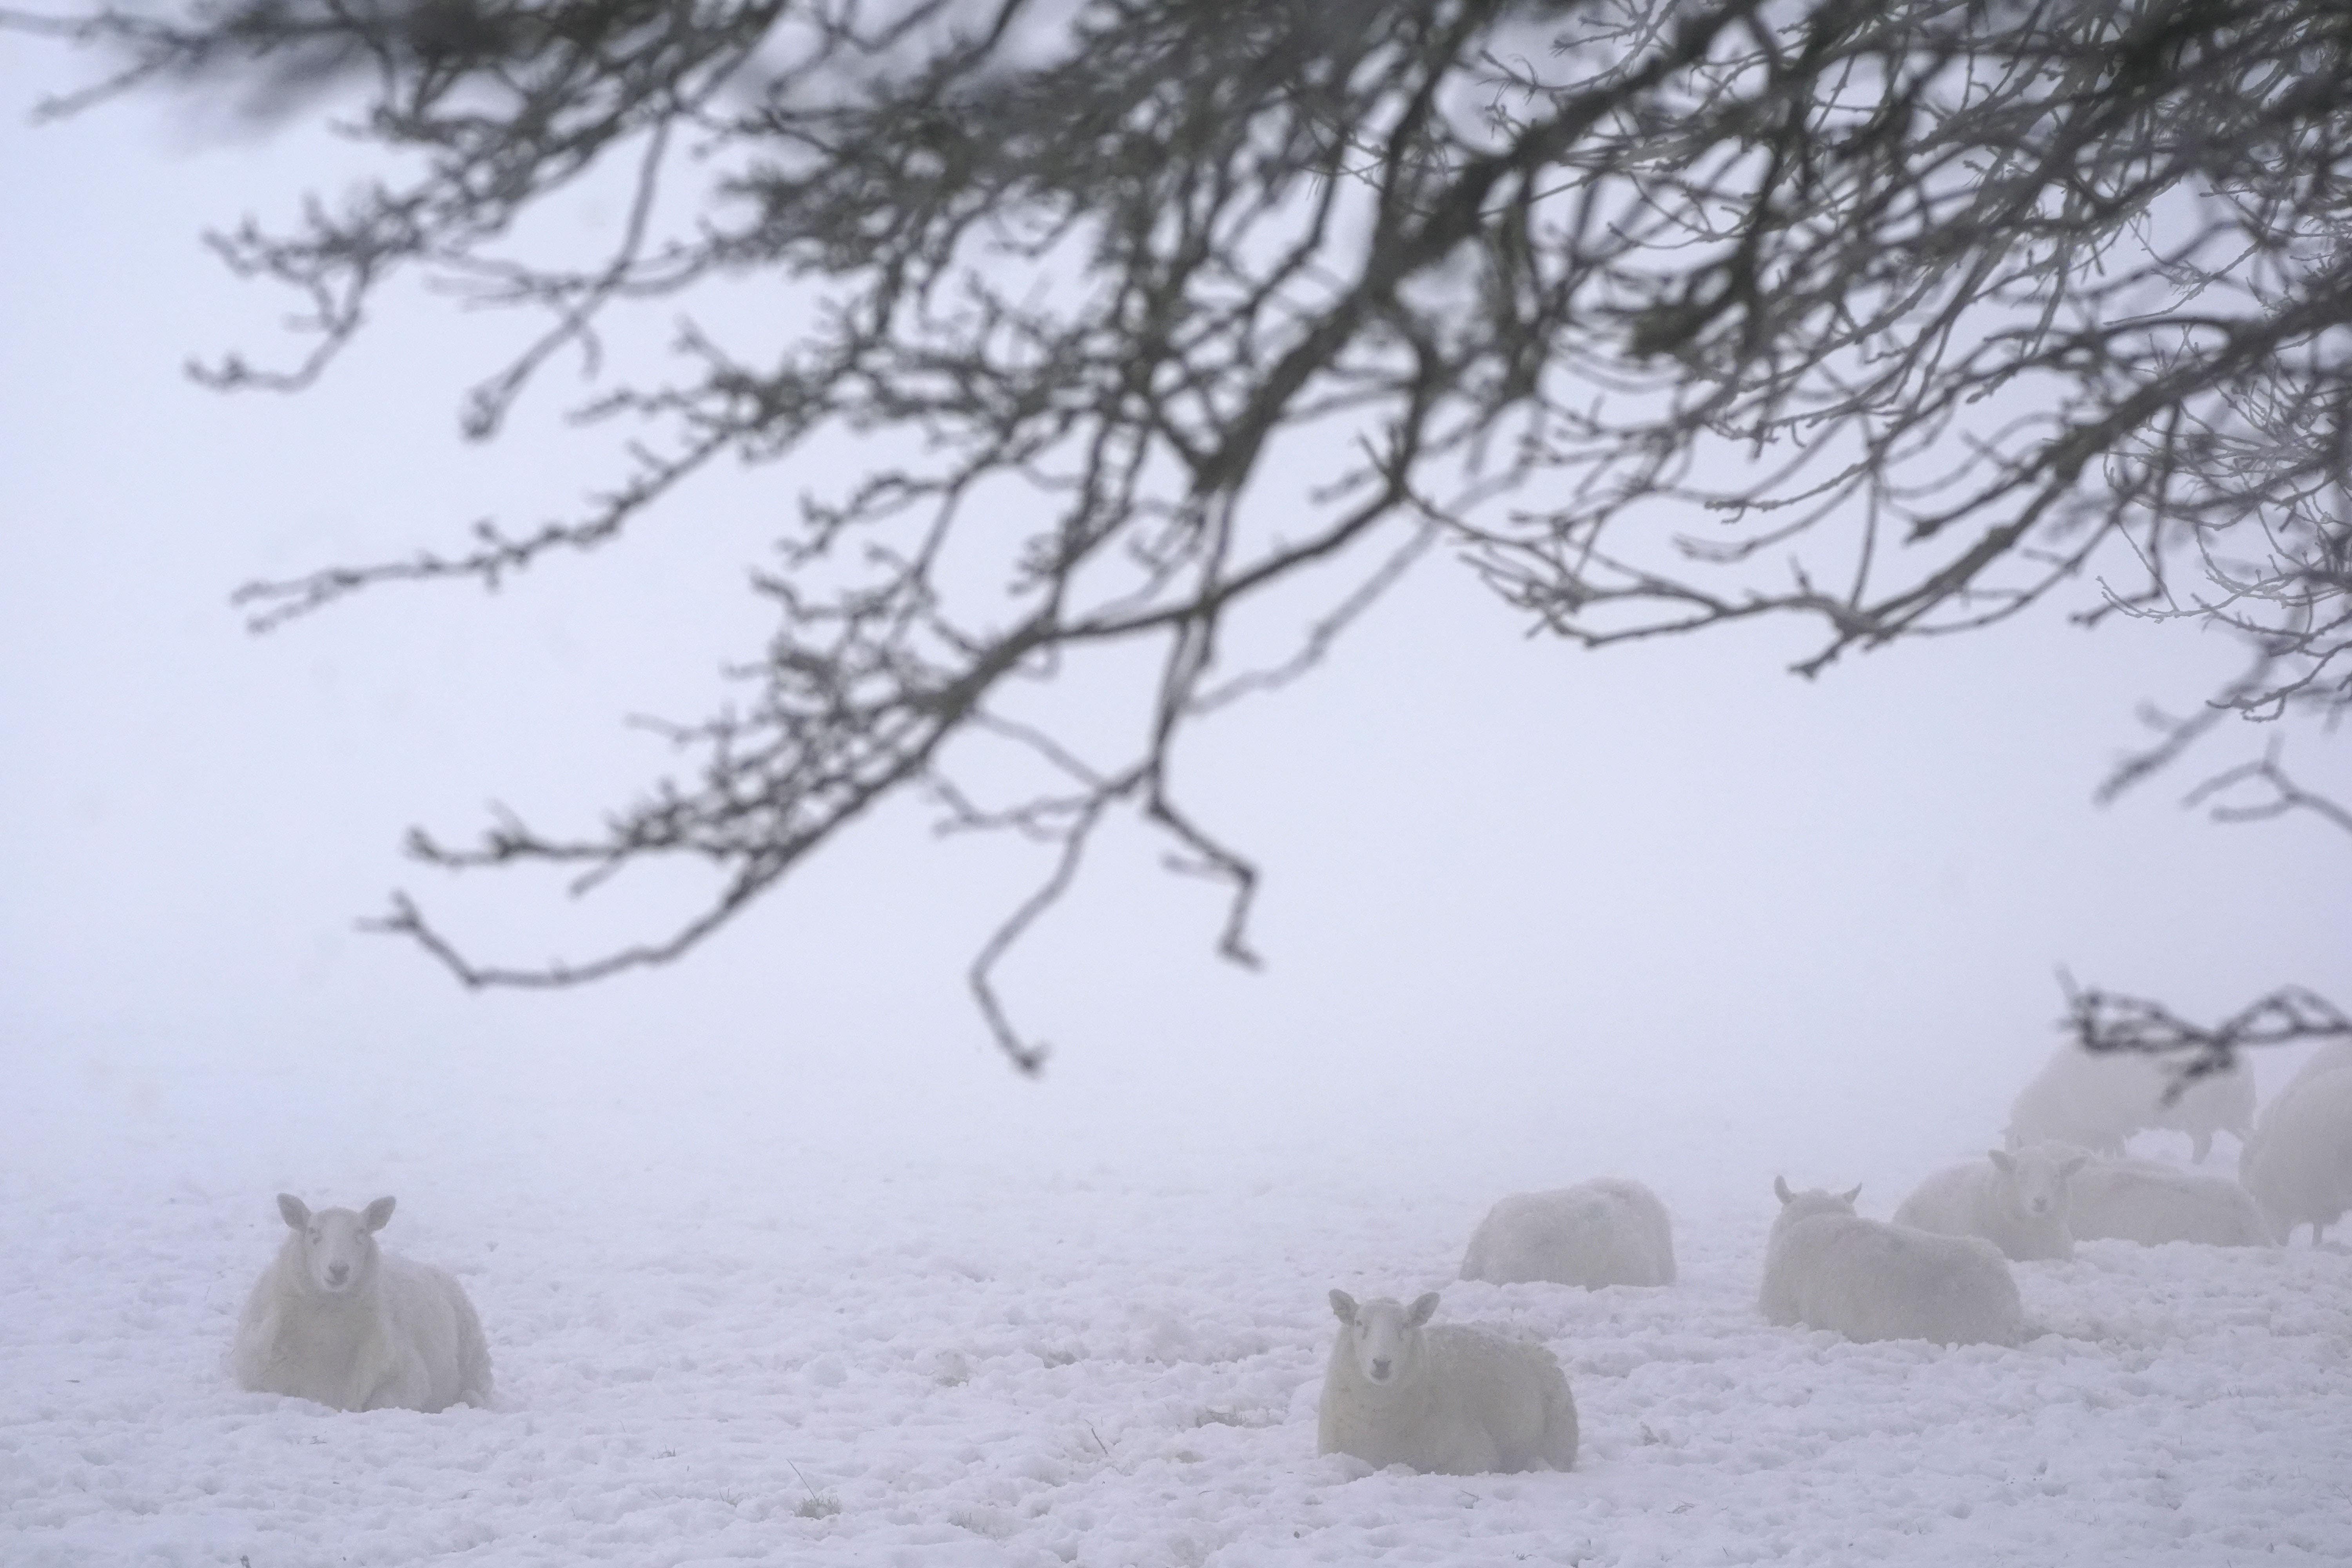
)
(730, 1327)
(778, 1265)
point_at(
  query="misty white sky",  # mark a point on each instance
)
(1510, 886)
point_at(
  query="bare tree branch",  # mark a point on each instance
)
(1889, 319)
(2283, 795)
(2104, 1024)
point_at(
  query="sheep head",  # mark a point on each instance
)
(1844, 1200)
(2033, 1181)
(336, 1247)
(1382, 1335)
(1796, 1205)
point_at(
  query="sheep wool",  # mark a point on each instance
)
(338, 1320)
(2017, 1200)
(2299, 1166)
(1445, 1401)
(2334, 1057)
(2141, 1200)
(1826, 1267)
(1606, 1231)
(2098, 1101)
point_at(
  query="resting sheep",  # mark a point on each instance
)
(2141, 1200)
(1828, 1268)
(2099, 1100)
(2017, 1201)
(1446, 1401)
(1601, 1232)
(336, 1319)
(2299, 1166)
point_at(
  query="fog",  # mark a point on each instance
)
(1514, 893)
(779, 1260)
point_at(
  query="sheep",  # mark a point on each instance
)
(2141, 1200)
(2334, 1057)
(2331, 1058)
(1601, 1232)
(1826, 1267)
(1447, 1401)
(2099, 1100)
(336, 1319)
(2016, 1200)
(2215, 1102)
(2299, 1166)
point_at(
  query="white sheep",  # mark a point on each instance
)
(2141, 1200)
(2098, 1100)
(2334, 1057)
(2016, 1200)
(2299, 1166)
(1827, 1268)
(2331, 1058)
(338, 1320)
(2216, 1102)
(1601, 1232)
(1447, 1400)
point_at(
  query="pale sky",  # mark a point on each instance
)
(1509, 882)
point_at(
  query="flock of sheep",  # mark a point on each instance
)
(337, 1319)
(1459, 1401)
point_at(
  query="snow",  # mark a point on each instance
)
(779, 1265)
(731, 1329)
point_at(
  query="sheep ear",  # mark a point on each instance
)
(296, 1212)
(1781, 1188)
(1853, 1191)
(1422, 1309)
(1343, 1306)
(2001, 1161)
(377, 1215)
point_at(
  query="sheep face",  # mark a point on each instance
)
(1384, 1336)
(2033, 1181)
(337, 1248)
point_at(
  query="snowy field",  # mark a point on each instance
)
(731, 1328)
(779, 1266)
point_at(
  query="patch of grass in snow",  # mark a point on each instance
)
(817, 1504)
